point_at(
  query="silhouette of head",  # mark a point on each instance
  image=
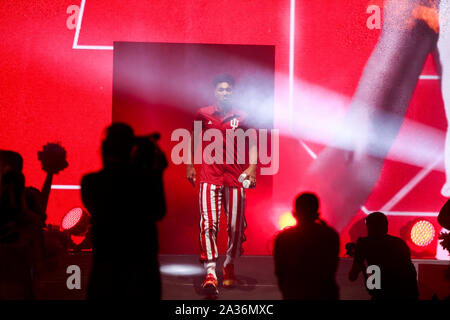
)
(10, 160)
(306, 207)
(11, 165)
(377, 224)
(117, 146)
(12, 183)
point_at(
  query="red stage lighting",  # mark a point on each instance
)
(76, 221)
(422, 233)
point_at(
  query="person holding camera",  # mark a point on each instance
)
(392, 256)
(125, 199)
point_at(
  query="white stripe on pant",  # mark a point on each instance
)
(210, 202)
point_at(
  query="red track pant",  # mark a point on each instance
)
(211, 198)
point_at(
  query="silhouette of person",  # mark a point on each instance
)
(306, 256)
(444, 220)
(12, 184)
(21, 237)
(391, 254)
(444, 216)
(124, 201)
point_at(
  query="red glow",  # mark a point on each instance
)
(287, 220)
(77, 239)
(72, 218)
(422, 233)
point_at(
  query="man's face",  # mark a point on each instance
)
(223, 93)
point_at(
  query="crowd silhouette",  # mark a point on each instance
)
(21, 238)
(126, 198)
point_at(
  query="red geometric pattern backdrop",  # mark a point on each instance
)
(56, 86)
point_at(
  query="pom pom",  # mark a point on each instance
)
(53, 158)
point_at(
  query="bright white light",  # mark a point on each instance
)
(401, 213)
(308, 149)
(365, 210)
(181, 270)
(404, 213)
(291, 59)
(65, 187)
(429, 77)
(89, 47)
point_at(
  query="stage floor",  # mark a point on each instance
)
(256, 279)
(182, 276)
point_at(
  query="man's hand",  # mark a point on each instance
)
(251, 174)
(191, 174)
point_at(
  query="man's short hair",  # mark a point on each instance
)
(377, 222)
(12, 159)
(225, 77)
(307, 206)
(119, 140)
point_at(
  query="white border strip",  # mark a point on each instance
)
(406, 213)
(411, 185)
(65, 187)
(402, 213)
(88, 47)
(292, 76)
(429, 77)
(77, 33)
(308, 150)
(291, 61)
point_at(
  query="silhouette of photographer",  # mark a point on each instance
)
(392, 255)
(125, 199)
